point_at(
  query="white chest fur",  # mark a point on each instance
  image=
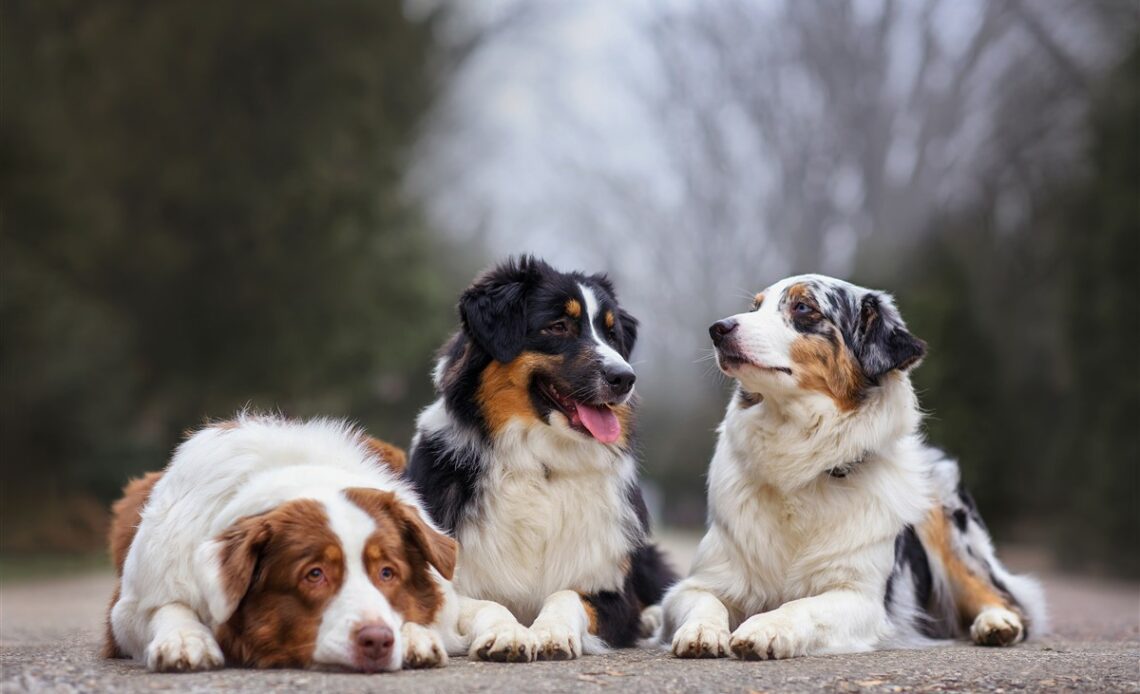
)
(551, 514)
(797, 538)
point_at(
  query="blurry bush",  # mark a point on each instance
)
(1034, 379)
(202, 210)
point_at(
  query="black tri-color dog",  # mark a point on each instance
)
(527, 459)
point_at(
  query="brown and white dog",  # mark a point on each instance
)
(833, 527)
(275, 543)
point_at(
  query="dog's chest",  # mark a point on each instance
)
(536, 533)
(784, 541)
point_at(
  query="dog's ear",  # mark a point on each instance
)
(227, 564)
(436, 548)
(882, 343)
(493, 309)
(628, 332)
(439, 549)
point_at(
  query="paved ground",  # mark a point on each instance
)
(50, 630)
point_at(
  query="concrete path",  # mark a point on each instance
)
(50, 632)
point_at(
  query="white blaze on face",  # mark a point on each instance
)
(765, 336)
(609, 355)
(359, 601)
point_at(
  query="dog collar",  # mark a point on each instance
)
(841, 471)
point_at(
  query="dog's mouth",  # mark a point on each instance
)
(596, 420)
(730, 359)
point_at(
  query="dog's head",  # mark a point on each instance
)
(816, 334)
(543, 347)
(325, 583)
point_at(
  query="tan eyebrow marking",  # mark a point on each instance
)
(609, 319)
(757, 300)
(573, 308)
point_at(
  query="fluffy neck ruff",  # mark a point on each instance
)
(788, 442)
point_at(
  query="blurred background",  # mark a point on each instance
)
(208, 206)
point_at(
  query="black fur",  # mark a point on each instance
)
(881, 342)
(493, 309)
(449, 475)
(910, 555)
(650, 573)
(504, 313)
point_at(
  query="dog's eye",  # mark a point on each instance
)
(315, 575)
(802, 309)
(558, 327)
(387, 574)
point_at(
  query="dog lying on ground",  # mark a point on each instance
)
(526, 457)
(275, 543)
(833, 527)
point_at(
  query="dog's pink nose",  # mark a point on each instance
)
(374, 643)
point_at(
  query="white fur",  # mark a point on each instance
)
(609, 355)
(555, 517)
(795, 561)
(172, 599)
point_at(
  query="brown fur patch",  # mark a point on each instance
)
(125, 516)
(573, 308)
(403, 542)
(624, 415)
(828, 367)
(799, 292)
(757, 301)
(610, 320)
(971, 593)
(591, 614)
(392, 456)
(504, 393)
(279, 610)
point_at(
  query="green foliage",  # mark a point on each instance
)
(1099, 472)
(202, 210)
(1034, 376)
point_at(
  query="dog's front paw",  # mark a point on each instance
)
(696, 640)
(186, 648)
(557, 641)
(422, 647)
(768, 636)
(505, 643)
(997, 626)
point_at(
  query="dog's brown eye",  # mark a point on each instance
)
(387, 574)
(314, 575)
(558, 327)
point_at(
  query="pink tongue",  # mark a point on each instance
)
(600, 421)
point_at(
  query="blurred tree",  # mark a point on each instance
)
(1033, 379)
(202, 210)
(1098, 474)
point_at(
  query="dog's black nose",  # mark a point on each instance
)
(722, 328)
(619, 378)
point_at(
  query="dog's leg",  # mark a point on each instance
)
(567, 625)
(494, 632)
(840, 621)
(700, 621)
(983, 602)
(180, 642)
(423, 647)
